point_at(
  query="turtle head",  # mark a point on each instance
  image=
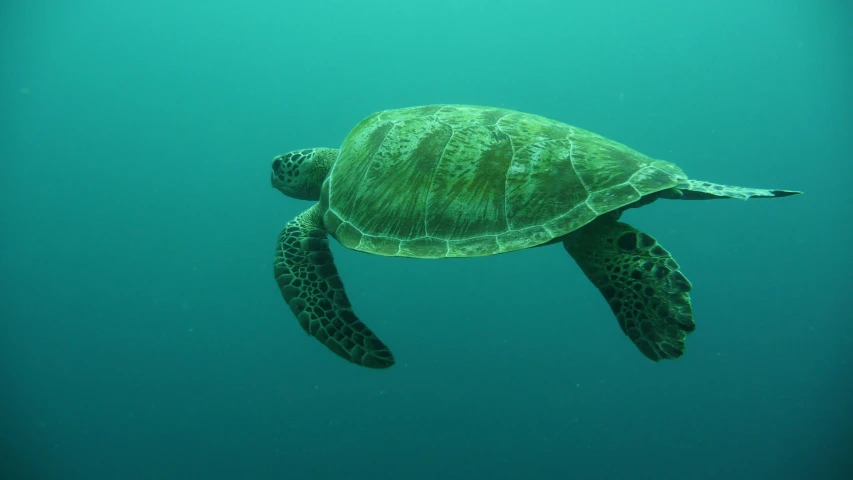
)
(300, 173)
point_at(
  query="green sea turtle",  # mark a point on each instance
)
(463, 181)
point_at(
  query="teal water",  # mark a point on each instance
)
(143, 336)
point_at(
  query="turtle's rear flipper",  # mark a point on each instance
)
(698, 190)
(306, 274)
(640, 281)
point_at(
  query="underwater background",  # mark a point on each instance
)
(142, 335)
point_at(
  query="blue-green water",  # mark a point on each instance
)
(143, 336)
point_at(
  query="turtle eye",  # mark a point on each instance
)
(276, 164)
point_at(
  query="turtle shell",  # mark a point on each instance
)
(463, 181)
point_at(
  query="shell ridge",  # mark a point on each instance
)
(506, 175)
(435, 171)
(366, 170)
(572, 162)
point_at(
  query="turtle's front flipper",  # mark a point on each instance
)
(310, 284)
(641, 282)
(698, 190)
